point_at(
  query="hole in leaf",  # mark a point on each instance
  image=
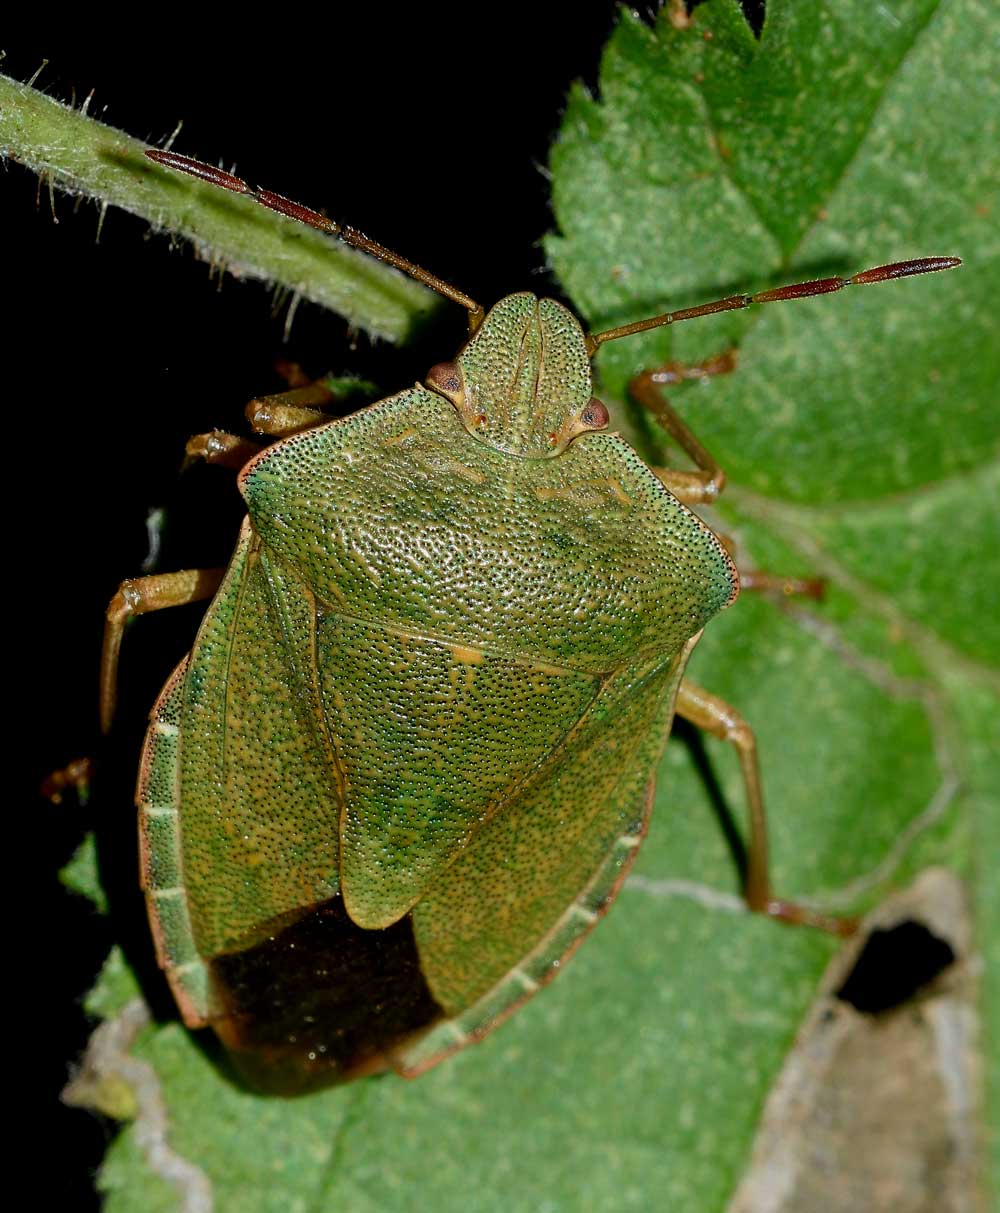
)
(893, 965)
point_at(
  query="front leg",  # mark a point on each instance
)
(285, 413)
(693, 488)
(704, 486)
(279, 415)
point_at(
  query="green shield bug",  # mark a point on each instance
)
(410, 757)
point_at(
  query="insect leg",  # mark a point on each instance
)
(303, 404)
(693, 488)
(774, 583)
(137, 597)
(714, 715)
(286, 413)
(278, 416)
(677, 372)
(226, 450)
(703, 486)
(76, 775)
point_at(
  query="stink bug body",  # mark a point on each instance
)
(409, 759)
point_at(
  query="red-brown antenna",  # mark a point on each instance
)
(798, 290)
(295, 210)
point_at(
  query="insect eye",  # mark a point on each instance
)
(446, 378)
(595, 416)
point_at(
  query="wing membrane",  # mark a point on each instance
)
(261, 807)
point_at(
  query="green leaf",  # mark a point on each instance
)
(81, 876)
(860, 436)
(711, 167)
(115, 986)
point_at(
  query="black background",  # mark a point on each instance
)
(116, 351)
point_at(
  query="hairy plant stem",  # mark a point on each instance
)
(74, 153)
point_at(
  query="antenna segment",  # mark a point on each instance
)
(295, 210)
(798, 290)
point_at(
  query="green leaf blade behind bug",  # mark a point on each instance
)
(948, 534)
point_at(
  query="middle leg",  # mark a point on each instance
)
(715, 716)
